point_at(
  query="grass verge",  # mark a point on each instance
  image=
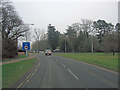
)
(14, 71)
(106, 60)
(18, 57)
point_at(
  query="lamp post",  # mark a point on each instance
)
(38, 46)
(27, 38)
(26, 34)
(91, 43)
(65, 43)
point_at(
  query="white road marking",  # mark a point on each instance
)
(63, 65)
(73, 74)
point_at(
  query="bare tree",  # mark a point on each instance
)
(87, 28)
(38, 35)
(0, 18)
(0, 30)
(110, 43)
(27, 34)
(86, 25)
(12, 29)
(77, 27)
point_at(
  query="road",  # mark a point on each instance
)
(59, 72)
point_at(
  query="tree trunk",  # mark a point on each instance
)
(73, 49)
(113, 53)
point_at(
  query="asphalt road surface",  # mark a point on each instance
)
(58, 72)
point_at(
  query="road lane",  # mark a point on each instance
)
(59, 72)
(89, 75)
(51, 75)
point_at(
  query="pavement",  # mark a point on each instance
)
(30, 56)
(59, 72)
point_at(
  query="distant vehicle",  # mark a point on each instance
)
(33, 51)
(56, 50)
(41, 51)
(47, 52)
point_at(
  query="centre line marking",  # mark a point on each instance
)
(73, 74)
(63, 65)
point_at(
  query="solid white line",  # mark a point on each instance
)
(73, 74)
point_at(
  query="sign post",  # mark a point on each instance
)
(26, 46)
(26, 53)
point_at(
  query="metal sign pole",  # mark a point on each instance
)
(26, 53)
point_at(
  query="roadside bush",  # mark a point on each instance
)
(9, 48)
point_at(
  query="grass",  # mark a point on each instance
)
(14, 71)
(18, 57)
(106, 60)
(35, 53)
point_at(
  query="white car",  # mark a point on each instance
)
(47, 52)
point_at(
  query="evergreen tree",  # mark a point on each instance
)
(53, 37)
(103, 28)
(72, 35)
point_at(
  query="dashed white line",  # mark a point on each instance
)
(73, 74)
(63, 65)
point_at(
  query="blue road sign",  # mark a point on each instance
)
(26, 45)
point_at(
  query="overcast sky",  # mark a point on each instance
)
(65, 12)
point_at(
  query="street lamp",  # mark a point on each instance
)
(92, 40)
(65, 44)
(92, 43)
(27, 36)
(27, 33)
